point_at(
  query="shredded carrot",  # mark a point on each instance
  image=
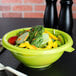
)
(18, 39)
(34, 47)
(28, 30)
(21, 34)
(35, 33)
(33, 39)
(32, 29)
(26, 37)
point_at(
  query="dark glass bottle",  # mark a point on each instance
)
(50, 16)
(65, 17)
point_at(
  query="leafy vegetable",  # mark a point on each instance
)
(41, 41)
(38, 38)
(20, 33)
(58, 42)
(35, 32)
(60, 38)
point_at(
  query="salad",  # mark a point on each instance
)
(37, 38)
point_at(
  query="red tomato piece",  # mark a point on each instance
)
(12, 40)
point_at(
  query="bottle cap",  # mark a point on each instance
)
(49, 1)
(69, 2)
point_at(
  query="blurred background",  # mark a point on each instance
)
(27, 8)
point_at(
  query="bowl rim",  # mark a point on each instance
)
(19, 50)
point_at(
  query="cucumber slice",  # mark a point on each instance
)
(45, 38)
(22, 38)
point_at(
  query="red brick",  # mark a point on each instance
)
(33, 1)
(74, 8)
(74, 1)
(11, 15)
(58, 9)
(40, 8)
(58, 2)
(74, 15)
(22, 8)
(11, 1)
(33, 15)
(5, 8)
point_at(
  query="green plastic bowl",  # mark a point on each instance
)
(37, 58)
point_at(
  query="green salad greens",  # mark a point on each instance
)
(39, 38)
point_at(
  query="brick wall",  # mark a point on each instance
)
(26, 8)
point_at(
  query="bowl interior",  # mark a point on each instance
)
(15, 49)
